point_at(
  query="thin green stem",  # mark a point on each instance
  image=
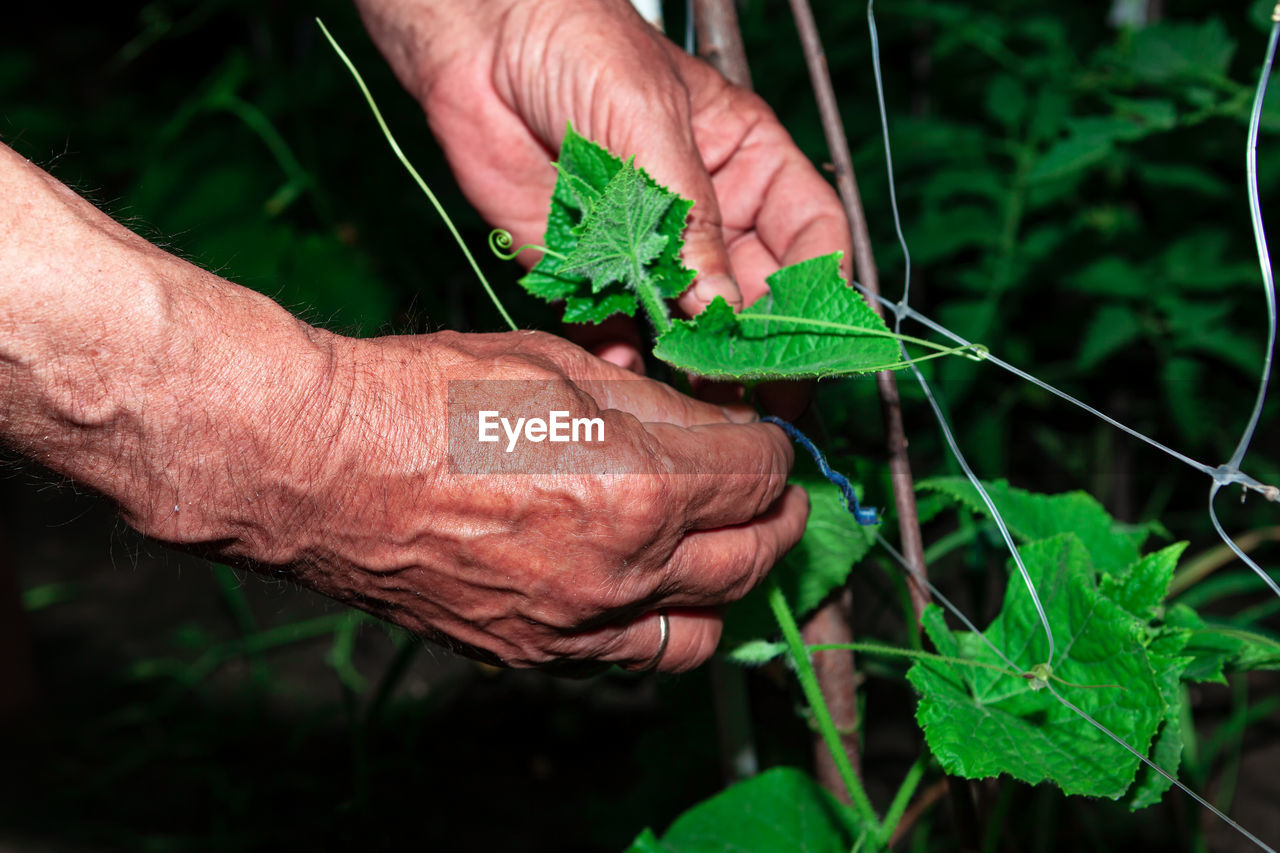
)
(230, 586)
(407, 648)
(192, 674)
(257, 121)
(400, 155)
(901, 800)
(913, 654)
(342, 651)
(1015, 205)
(813, 694)
(946, 544)
(650, 299)
(500, 241)
(899, 364)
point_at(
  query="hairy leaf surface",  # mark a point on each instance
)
(982, 723)
(810, 324)
(585, 172)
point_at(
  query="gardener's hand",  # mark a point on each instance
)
(535, 552)
(219, 422)
(366, 480)
(499, 80)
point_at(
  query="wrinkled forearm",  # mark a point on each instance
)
(132, 372)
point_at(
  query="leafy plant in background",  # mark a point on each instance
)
(992, 703)
(1016, 137)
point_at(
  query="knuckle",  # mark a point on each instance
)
(758, 558)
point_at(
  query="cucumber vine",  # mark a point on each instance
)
(613, 243)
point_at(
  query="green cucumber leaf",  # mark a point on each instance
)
(1031, 516)
(781, 810)
(833, 541)
(1217, 649)
(1210, 653)
(582, 212)
(1167, 752)
(758, 344)
(981, 723)
(595, 309)
(1141, 587)
(1172, 50)
(619, 235)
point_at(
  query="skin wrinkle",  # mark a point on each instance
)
(325, 459)
(504, 69)
(769, 183)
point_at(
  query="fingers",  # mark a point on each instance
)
(714, 567)
(617, 340)
(655, 124)
(667, 150)
(722, 474)
(692, 637)
(709, 568)
(622, 354)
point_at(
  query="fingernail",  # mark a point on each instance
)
(708, 287)
(740, 414)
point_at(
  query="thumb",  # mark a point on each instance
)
(667, 151)
(705, 252)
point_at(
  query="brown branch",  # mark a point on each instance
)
(720, 43)
(832, 624)
(927, 799)
(720, 39)
(904, 494)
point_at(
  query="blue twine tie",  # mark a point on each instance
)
(866, 515)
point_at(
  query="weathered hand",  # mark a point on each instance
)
(499, 80)
(219, 422)
(544, 554)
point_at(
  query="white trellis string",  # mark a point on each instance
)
(915, 370)
(1222, 475)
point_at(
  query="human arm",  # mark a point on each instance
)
(218, 422)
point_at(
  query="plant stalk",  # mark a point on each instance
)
(902, 799)
(857, 795)
(927, 799)
(904, 494)
(720, 43)
(720, 39)
(838, 681)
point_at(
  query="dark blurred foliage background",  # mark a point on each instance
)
(1072, 189)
